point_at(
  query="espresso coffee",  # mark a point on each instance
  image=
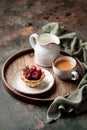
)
(65, 68)
(64, 65)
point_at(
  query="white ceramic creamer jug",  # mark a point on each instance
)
(46, 47)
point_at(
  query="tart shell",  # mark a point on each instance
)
(32, 83)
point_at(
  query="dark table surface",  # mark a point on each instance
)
(19, 19)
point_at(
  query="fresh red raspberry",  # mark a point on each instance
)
(28, 76)
(35, 75)
(39, 71)
(24, 71)
(33, 68)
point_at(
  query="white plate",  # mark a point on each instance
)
(20, 86)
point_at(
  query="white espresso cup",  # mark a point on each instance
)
(65, 67)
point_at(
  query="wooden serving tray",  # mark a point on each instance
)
(26, 57)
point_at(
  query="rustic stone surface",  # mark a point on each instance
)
(18, 19)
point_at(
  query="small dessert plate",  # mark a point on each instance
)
(20, 86)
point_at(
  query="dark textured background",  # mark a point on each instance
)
(19, 19)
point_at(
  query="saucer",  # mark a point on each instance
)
(20, 86)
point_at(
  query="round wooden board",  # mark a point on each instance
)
(26, 57)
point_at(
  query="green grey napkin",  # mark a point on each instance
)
(77, 101)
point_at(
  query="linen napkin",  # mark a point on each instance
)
(77, 101)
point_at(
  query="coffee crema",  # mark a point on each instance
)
(64, 65)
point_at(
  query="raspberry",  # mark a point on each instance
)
(28, 76)
(35, 75)
(33, 68)
(25, 71)
(39, 71)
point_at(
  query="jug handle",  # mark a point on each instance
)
(33, 39)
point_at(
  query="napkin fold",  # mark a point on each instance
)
(77, 47)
